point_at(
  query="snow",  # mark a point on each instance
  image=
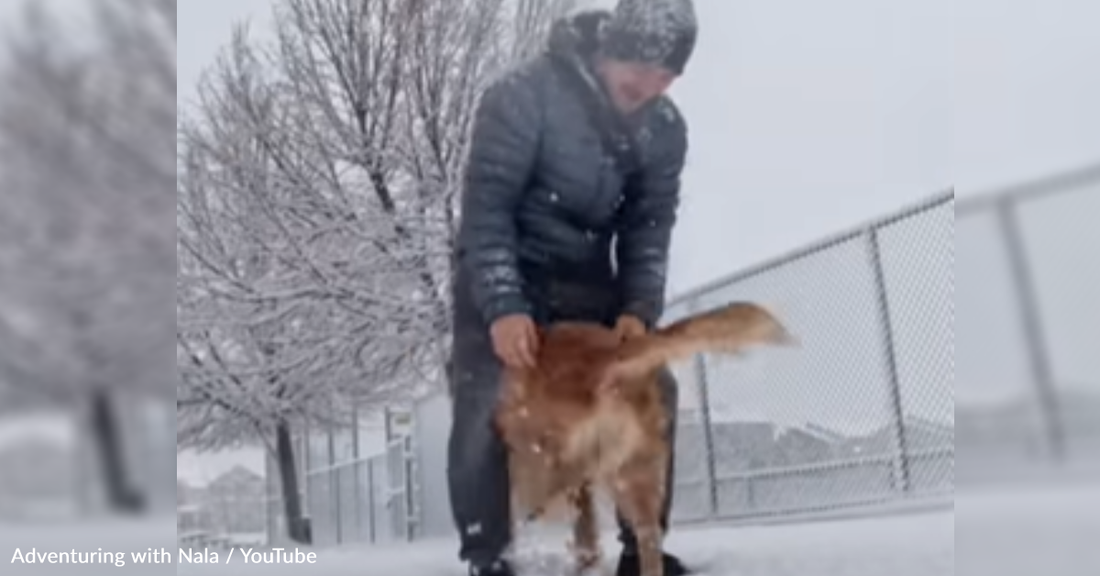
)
(903, 546)
(663, 18)
(54, 428)
(1031, 532)
(92, 536)
(662, 22)
(1026, 531)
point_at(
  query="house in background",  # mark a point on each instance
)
(921, 435)
(746, 443)
(232, 504)
(235, 502)
(190, 521)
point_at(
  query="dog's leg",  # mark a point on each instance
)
(531, 488)
(586, 536)
(639, 493)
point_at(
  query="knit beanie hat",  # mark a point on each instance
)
(661, 32)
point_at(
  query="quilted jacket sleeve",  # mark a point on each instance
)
(647, 222)
(503, 152)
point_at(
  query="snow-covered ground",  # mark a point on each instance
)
(114, 537)
(1006, 532)
(1036, 531)
(910, 546)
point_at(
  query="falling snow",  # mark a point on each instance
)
(661, 21)
(1001, 537)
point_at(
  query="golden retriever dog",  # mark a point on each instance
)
(589, 417)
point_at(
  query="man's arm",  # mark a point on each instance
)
(648, 219)
(503, 150)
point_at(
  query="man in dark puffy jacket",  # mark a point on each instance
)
(571, 195)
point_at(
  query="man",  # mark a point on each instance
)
(571, 195)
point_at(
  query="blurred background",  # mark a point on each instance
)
(86, 422)
(840, 154)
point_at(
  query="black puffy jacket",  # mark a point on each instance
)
(544, 199)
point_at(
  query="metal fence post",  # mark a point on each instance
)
(703, 384)
(334, 487)
(1034, 337)
(371, 503)
(903, 480)
(411, 512)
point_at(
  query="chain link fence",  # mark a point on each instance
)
(1029, 378)
(862, 412)
(352, 491)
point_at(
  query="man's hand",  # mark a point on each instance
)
(516, 340)
(628, 327)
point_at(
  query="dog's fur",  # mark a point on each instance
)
(590, 416)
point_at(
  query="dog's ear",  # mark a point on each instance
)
(729, 329)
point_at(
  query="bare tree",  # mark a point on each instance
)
(350, 62)
(85, 153)
(532, 22)
(362, 114)
(457, 49)
(284, 305)
(316, 206)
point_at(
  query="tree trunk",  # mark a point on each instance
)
(122, 496)
(297, 528)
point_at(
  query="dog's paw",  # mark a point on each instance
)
(586, 562)
(592, 567)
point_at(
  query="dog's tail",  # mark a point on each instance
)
(729, 329)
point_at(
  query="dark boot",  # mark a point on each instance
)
(498, 568)
(628, 564)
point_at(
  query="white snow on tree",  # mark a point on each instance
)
(316, 204)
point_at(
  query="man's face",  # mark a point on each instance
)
(632, 85)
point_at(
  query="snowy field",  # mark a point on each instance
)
(1032, 532)
(100, 537)
(1018, 532)
(911, 546)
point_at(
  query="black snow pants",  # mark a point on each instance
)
(477, 466)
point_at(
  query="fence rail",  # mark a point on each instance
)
(935, 201)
